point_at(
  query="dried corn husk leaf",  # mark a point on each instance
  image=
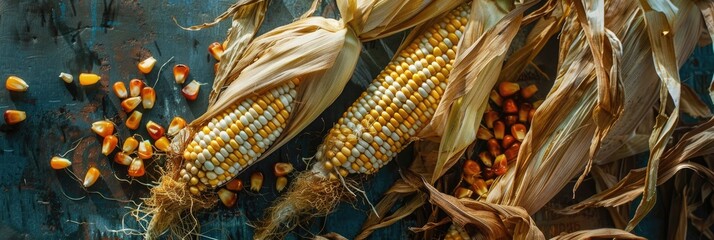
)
(598, 233)
(325, 64)
(693, 105)
(697, 142)
(478, 63)
(707, 9)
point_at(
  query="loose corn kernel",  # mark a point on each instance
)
(471, 168)
(500, 166)
(280, 183)
(509, 106)
(91, 177)
(122, 158)
(145, 151)
(519, 131)
(135, 86)
(86, 79)
(180, 73)
(190, 91)
(16, 84)
(133, 121)
(461, 192)
(499, 129)
(148, 97)
(146, 65)
(136, 168)
(155, 130)
(493, 147)
(490, 117)
(506, 89)
(529, 91)
(108, 145)
(130, 104)
(511, 119)
(163, 144)
(216, 50)
(512, 152)
(523, 112)
(480, 188)
(486, 158)
(507, 141)
(103, 128)
(483, 133)
(130, 145)
(120, 90)
(282, 169)
(66, 77)
(176, 125)
(235, 185)
(256, 181)
(58, 163)
(228, 198)
(495, 98)
(14, 116)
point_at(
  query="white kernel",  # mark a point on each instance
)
(211, 125)
(200, 158)
(220, 157)
(206, 154)
(208, 165)
(243, 150)
(253, 128)
(243, 135)
(262, 120)
(219, 171)
(225, 137)
(401, 97)
(211, 175)
(378, 140)
(412, 68)
(395, 136)
(244, 120)
(423, 92)
(448, 42)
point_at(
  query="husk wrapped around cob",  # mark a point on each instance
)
(581, 119)
(298, 69)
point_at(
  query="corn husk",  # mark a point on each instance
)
(324, 66)
(581, 111)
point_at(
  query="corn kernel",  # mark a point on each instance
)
(16, 84)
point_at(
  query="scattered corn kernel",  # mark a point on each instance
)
(135, 86)
(495, 98)
(14, 116)
(163, 144)
(483, 133)
(91, 177)
(86, 79)
(509, 106)
(175, 126)
(58, 163)
(190, 91)
(507, 141)
(512, 152)
(129, 145)
(16, 84)
(506, 89)
(461, 192)
(134, 120)
(493, 147)
(256, 181)
(235, 185)
(480, 187)
(490, 117)
(109, 144)
(130, 104)
(228, 198)
(155, 130)
(519, 131)
(145, 151)
(136, 168)
(486, 159)
(120, 90)
(280, 183)
(282, 169)
(180, 73)
(66, 77)
(122, 158)
(216, 50)
(523, 112)
(103, 128)
(500, 165)
(148, 97)
(529, 91)
(146, 65)
(499, 129)
(471, 168)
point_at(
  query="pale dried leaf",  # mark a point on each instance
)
(598, 233)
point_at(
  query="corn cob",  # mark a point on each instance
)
(398, 103)
(396, 106)
(235, 139)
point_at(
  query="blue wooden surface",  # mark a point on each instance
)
(40, 39)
